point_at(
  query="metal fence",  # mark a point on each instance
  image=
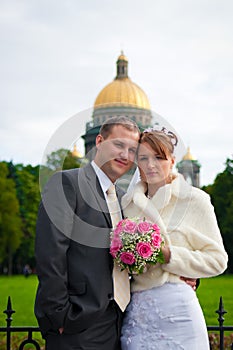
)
(9, 330)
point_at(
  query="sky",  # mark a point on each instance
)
(56, 56)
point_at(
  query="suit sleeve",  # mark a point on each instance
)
(54, 226)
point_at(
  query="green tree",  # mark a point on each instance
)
(26, 179)
(221, 193)
(27, 187)
(10, 222)
(62, 159)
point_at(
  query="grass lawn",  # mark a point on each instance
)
(209, 293)
(22, 291)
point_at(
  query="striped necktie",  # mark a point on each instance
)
(121, 285)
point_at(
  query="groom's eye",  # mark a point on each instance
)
(132, 150)
(118, 144)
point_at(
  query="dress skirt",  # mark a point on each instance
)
(164, 318)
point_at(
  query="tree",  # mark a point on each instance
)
(24, 181)
(27, 188)
(10, 222)
(221, 193)
(62, 159)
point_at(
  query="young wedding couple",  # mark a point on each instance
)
(76, 305)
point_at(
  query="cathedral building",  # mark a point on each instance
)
(190, 169)
(123, 97)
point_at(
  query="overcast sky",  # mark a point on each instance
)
(57, 55)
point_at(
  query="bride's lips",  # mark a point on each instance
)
(152, 173)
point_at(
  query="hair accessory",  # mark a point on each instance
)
(162, 129)
(157, 128)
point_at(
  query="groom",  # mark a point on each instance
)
(75, 306)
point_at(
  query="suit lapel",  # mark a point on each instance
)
(96, 190)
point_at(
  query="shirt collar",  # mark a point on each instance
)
(104, 180)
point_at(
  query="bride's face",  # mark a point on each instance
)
(154, 169)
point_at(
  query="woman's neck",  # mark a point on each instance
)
(153, 188)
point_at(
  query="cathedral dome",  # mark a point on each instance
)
(121, 97)
(122, 91)
(188, 155)
(76, 153)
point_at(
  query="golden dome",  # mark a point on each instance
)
(122, 91)
(122, 57)
(188, 155)
(76, 153)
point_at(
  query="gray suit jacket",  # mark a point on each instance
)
(74, 265)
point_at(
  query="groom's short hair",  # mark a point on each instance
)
(127, 123)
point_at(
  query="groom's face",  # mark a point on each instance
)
(116, 153)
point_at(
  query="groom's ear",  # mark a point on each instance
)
(99, 140)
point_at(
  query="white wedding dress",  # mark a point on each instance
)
(164, 318)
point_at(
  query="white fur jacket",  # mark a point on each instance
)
(188, 224)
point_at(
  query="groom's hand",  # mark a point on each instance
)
(192, 282)
(61, 330)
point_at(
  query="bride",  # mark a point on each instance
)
(164, 312)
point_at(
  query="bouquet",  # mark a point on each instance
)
(136, 243)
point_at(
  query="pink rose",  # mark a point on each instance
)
(144, 227)
(116, 245)
(144, 249)
(156, 240)
(130, 226)
(127, 258)
(156, 228)
(117, 230)
(120, 224)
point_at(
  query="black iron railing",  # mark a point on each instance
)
(221, 329)
(8, 330)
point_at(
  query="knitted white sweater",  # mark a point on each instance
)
(188, 224)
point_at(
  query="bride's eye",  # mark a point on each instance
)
(160, 158)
